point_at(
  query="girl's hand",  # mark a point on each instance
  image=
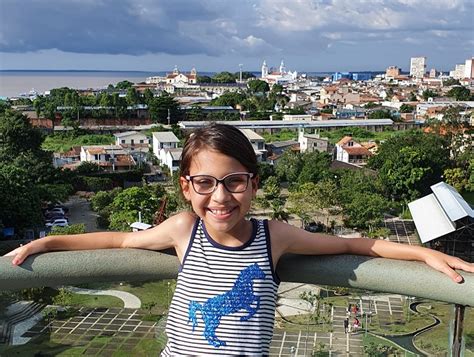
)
(447, 263)
(23, 251)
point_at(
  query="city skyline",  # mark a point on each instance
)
(213, 35)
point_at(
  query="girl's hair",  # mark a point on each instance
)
(225, 139)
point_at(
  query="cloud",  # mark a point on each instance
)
(229, 28)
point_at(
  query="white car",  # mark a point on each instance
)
(56, 210)
(60, 222)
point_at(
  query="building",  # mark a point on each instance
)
(109, 157)
(392, 72)
(417, 67)
(459, 71)
(350, 151)
(469, 68)
(132, 141)
(181, 78)
(313, 142)
(164, 140)
(170, 158)
(258, 143)
(281, 76)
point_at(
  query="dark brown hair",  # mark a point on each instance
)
(225, 139)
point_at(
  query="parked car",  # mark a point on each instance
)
(53, 216)
(60, 222)
(55, 210)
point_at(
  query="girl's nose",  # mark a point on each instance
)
(220, 194)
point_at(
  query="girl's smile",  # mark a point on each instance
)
(223, 212)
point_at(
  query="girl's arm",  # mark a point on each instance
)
(289, 239)
(171, 233)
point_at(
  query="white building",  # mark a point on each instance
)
(278, 77)
(258, 143)
(171, 158)
(417, 67)
(164, 140)
(109, 157)
(132, 141)
(350, 151)
(313, 142)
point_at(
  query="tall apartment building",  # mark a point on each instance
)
(417, 67)
(469, 68)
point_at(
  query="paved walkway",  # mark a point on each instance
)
(130, 301)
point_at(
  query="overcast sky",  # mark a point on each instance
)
(216, 35)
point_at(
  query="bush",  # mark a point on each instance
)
(72, 229)
(96, 184)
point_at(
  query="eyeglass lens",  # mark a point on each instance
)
(234, 183)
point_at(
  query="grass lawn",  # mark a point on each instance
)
(95, 301)
(469, 197)
(64, 142)
(371, 341)
(435, 341)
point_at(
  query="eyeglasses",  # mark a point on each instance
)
(234, 183)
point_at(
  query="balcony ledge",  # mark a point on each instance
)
(115, 265)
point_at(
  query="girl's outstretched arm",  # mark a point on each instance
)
(171, 233)
(289, 239)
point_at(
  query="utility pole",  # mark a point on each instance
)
(169, 117)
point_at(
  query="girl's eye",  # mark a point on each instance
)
(204, 182)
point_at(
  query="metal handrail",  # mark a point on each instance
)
(119, 265)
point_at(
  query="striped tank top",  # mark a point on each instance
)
(225, 297)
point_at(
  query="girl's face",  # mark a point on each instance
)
(223, 212)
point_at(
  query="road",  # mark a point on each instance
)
(80, 212)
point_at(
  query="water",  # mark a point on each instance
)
(14, 83)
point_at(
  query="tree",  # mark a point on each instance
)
(229, 99)
(258, 86)
(315, 165)
(203, 79)
(160, 106)
(380, 114)
(133, 98)
(128, 203)
(428, 93)
(365, 211)
(123, 85)
(224, 77)
(289, 166)
(407, 108)
(410, 163)
(459, 93)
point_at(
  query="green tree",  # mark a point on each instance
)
(258, 86)
(224, 77)
(203, 79)
(133, 97)
(229, 99)
(289, 166)
(123, 85)
(366, 210)
(380, 114)
(160, 106)
(459, 93)
(407, 108)
(315, 166)
(410, 163)
(128, 203)
(428, 93)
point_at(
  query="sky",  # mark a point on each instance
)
(218, 35)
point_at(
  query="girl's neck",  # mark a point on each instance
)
(239, 235)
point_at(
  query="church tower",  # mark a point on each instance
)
(175, 70)
(282, 67)
(264, 69)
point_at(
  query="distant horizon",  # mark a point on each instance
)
(168, 71)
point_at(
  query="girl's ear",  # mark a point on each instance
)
(185, 188)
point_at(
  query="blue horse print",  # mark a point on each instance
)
(239, 297)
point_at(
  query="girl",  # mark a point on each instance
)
(224, 301)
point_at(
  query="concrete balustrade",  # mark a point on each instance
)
(115, 265)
